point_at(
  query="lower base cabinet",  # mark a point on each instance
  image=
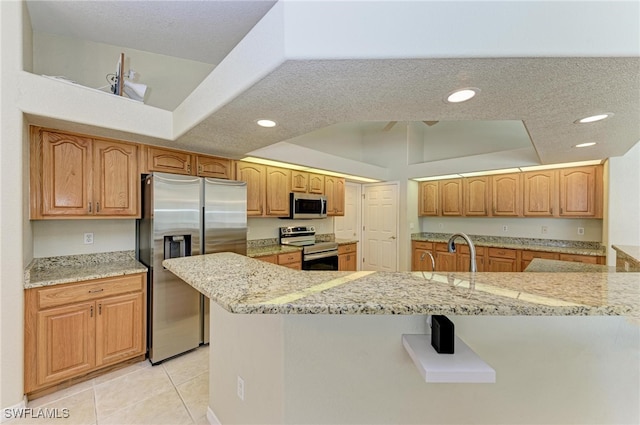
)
(348, 257)
(78, 328)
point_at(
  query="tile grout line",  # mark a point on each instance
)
(175, 387)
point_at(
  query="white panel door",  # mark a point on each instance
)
(380, 227)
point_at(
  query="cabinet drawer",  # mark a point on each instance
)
(530, 255)
(441, 246)
(423, 245)
(268, 258)
(502, 253)
(94, 289)
(291, 257)
(463, 248)
(579, 258)
(346, 249)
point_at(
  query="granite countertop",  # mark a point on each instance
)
(548, 245)
(346, 241)
(76, 268)
(628, 252)
(243, 285)
(544, 265)
(259, 251)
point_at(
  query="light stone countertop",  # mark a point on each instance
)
(543, 265)
(260, 251)
(76, 268)
(628, 252)
(243, 285)
(547, 245)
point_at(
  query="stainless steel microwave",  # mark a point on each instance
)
(307, 205)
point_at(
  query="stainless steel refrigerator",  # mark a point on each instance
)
(183, 216)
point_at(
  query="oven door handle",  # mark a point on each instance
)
(311, 257)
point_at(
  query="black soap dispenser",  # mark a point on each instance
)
(442, 334)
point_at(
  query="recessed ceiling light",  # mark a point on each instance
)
(593, 118)
(462, 95)
(584, 145)
(266, 123)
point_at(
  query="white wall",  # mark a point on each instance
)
(53, 238)
(622, 211)
(15, 40)
(353, 369)
(88, 63)
(267, 228)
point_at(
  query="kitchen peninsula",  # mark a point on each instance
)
(325, 347)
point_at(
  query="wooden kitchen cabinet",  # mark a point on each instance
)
(316, 184)
(428, 200)
(167, 161)
(212, 166)
(463, 258)
(445, 261)
(348, 257)
(502, 260)
(505, 195)
(78, 328)
(293, 260)
(255, 177)
(278, 187)
(527, 256)
(299, 181)
(476, 191)
(420, 259)
(273, 259)
(539, 189)
(581, 192)
(451, 197)
(334, 191)
(79, 177)
(589, 259)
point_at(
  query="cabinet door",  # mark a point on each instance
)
(254, 176)
(119, 328)
(347, 262)
(539, 193)
(334, 190)
(278, 181)
(505, 195)
(578, 192)
(66, 175)
(451, 197)
(299, 181)
(428, 198)
(420, 259)
(168, 161)
(116, 179)
(502, 264)
(211, 166)
(476, 196)
(464, 258)
(65, 344)
(589, 259)
(528, 256)
(316, 184)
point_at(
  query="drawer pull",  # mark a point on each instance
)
(91, 311)
(95, 291)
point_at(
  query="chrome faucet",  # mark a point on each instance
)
(472, 249)
(433, 261)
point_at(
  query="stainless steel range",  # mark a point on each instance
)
(315, 255)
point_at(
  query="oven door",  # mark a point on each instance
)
(320, 261)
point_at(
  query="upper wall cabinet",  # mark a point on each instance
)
(79, 177)
(539, 193)
(581, 192)
(566, 192)
(166, 161)
(299, 181)
(255, 177)
(212, 166)
(316, 184)
(476, 196)
(505, 195)
(277, 195)
(334, 190)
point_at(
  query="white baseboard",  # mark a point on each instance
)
(212, 418)
(21, 405)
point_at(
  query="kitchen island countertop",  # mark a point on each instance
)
(243, 285)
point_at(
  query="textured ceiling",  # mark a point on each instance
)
(546, 93)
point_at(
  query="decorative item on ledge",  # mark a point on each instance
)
(121, 86)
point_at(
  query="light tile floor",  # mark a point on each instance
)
(173, 392)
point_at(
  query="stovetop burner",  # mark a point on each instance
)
(305, 237)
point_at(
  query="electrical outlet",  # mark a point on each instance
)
(581, 230)
(544, 230)
(440, 226)
(240, 388)
(88, 238)
(505, 228)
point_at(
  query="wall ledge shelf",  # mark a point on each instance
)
(465, 366)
